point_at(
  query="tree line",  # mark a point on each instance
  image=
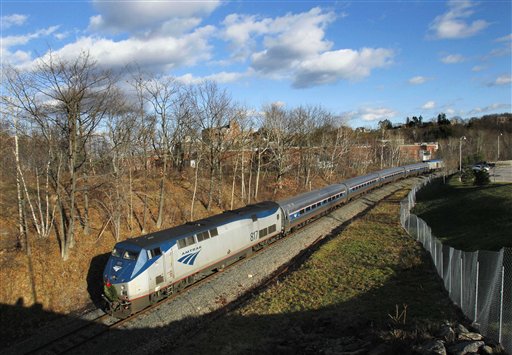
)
(83, 143)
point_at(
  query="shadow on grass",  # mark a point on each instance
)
(468, 218)
(95, 277)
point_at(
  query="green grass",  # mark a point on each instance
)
(468, 217)
(347, 291)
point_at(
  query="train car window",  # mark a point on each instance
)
(214, 232)
(117, 252)
(254, 218)
(190, 240)
(202, 236)
(182, 243)
(277, 216)
(272, 229)
(301, 211)
(130, 255)
(308, 208)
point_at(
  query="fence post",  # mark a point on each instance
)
(461, 280)
(476, 289)
(501, 302)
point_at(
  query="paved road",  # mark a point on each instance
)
(502, 172)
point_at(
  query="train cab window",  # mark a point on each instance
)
(117, 252)
(214, 232)
(130, 255)
(154, 252)
(190, 240)
(254, 218)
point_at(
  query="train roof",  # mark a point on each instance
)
(307, 198)
(359, 179)
(391, 170)
(170, 235)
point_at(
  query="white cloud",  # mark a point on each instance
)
(20, 57)
(221, 77)
(293, 39)
(417, 80)
(369, 114)
(503, 80)
(429, 105)
(506, 38)
(143, 18)
(295, 48)
(478, 68)
(12, 20)
(491, 108)
(453, 59)
(454, 23)
(155, 53)
(344, 64)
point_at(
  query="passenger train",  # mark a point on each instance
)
(145, 269)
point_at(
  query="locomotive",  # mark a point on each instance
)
(145, 269)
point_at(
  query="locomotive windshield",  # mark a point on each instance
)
(130, 255)
(125, 254)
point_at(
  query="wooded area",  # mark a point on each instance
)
(87, 153)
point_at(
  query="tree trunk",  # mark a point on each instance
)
(21, 239)
(195, 191)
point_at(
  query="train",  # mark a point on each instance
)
(143, 270)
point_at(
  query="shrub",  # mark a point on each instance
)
(466, 176)
(481, 178)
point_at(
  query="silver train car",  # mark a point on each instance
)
(145, 269)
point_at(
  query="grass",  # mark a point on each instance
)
(468, 217)
(370, 282)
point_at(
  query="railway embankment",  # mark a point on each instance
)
(339, 283)
(352, 282)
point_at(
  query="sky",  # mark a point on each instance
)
(364, 61)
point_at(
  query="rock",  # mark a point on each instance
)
(446, 332)
(465, 347)
(470, 336)
(432, 347)
(486, 349)
(460, 329)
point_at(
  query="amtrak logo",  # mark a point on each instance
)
(189, 258)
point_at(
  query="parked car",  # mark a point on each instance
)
(481, 167)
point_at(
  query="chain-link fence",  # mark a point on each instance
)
(479, 282)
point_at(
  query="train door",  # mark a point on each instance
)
(169, 266)
(156, 270)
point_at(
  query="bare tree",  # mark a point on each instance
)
(214, 113)
(277, 129)
(162, 95)
(68, 97)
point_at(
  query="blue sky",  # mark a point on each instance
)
(363, 60)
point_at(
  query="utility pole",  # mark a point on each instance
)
(460, 152)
